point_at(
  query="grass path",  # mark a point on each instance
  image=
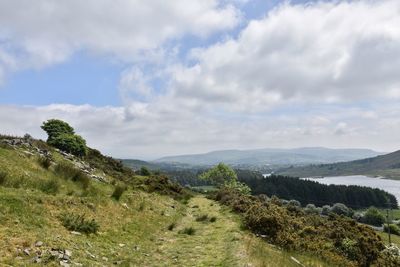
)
(213, 243)
(219, 243)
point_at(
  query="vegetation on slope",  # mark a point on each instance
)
(337, 239)
(386, 165)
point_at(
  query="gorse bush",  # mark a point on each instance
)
(337, 239)
(79, 223)
(118, 191)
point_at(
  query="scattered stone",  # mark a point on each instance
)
(75, 233)
(38, 244)
(90, 254)
(27, 252)
(37, 259)
(125, 206)
(68, 253)
(104, 259)
(121, 245)
(64, 264)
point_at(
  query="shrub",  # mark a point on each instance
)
(338, 240)
(70, 143)
(202, 218)
(79, 223)
(326, 209)
(145, 171)
(311, 209)
(349, 248)
(294, 202)
(394, 229)
(118, 191)
(188, 231)
(340, 209)
(51, 186)
(45, 162)
(55, 128)
(171, 226)
(67, 171)
(373, 217)
(3, 177)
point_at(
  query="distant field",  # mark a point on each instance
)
(204, 188)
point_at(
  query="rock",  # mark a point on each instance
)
(68, 253)
(37, 259)
(90, 254)
(64, 264)
(38, 244)
(121, 245)
(27, 252)
(125, 206)
(54, 253)
(104, 259)
(75, 233)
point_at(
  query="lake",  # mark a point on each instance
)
(391, 186)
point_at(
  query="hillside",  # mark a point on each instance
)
(387, 165)
(262, 157)
(47, 206)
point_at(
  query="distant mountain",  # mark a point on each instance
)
(270, 156)
(387, 165)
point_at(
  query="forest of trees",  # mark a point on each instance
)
(312, 192)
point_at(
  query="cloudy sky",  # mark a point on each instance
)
(144, 79)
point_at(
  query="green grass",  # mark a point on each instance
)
(141, 229)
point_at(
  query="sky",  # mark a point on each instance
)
(146, 79)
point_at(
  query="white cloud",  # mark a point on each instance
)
(343, 51)
(44, 32)
(148, 131)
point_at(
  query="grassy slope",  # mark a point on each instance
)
(133, 231)
(386, 165)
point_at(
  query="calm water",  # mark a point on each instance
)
(390, 186)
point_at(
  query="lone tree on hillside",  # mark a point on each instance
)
(55, 128)
(222, 175)
(62, 136)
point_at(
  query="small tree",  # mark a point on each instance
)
(340, 209)
(55, 128)
(62, 136)
(223, 175)
(373, 217)
(145, 171)
(73, 144)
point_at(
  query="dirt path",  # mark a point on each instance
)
(219, 243)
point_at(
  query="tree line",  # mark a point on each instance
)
(306, 191)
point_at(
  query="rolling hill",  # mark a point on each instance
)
(270, 156)
(387, 165)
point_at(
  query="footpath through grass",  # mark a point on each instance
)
(217, 239)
